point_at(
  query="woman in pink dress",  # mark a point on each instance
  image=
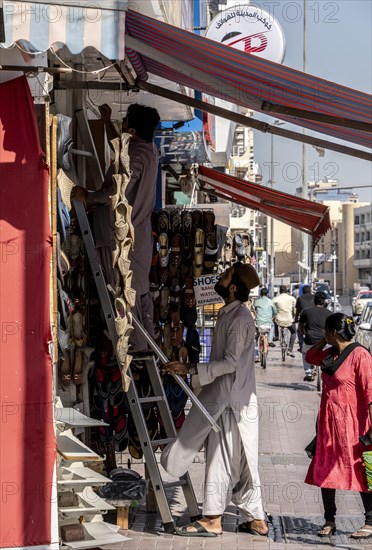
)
(345, 414)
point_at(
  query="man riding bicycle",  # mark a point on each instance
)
(265, 313)
(312, 323)
(286, 305)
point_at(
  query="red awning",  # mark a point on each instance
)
(308, 216)
(247, 80)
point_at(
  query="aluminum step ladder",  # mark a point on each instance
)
(136, 402)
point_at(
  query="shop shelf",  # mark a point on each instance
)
(89, 504)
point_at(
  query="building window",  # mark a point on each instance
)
(357, 220)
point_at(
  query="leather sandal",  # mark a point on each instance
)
(328, 529)
(163, 250)
(198, 255)
(66, 369)
(78, 374)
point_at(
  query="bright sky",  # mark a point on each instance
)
(339, 48)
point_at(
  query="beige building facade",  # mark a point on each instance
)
(351, 269)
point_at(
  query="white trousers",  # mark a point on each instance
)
(227, 476)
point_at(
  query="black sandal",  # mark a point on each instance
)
(328, 529)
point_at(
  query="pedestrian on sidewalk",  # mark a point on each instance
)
(311, 326)
(265, 313)
(285, 305)
(303, 302)
(229, 394)
(345, 414)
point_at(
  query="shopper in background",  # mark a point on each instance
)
(285, 305)
(311, 327)
(302, 302)
(265, 313)
(140, 122)
(345, 414)
(229, 394)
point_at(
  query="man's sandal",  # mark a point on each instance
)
(328, 529)
(200, 531)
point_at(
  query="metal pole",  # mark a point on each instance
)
(272, 224)
(334, 276)
(305, 237)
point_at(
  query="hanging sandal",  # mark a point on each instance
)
(175, 255)
(328, 529)
(186, 218)
(163, 222)
(115, 198)
(123, 224)
(211, 249)
(129, 292)
(78, 374)
(163, 250)
(124, 155)
(164, 303)
(66, 369)
(198, 255)
(176, 222)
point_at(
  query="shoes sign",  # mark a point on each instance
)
(204, 290)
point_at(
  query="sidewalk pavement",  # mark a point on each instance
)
(287, 408)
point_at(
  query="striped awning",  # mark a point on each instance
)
(307, 216)
(247, 80)
(37, 26)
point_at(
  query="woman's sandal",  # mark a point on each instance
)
(363, 533)
(328, 529)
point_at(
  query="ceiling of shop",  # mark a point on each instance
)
(118, 99)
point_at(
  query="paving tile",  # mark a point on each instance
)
(296, 508)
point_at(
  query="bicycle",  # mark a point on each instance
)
(283, 341)
(263, 344)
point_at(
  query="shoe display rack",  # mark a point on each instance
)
(80, 509)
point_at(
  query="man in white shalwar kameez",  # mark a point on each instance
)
(229, 394)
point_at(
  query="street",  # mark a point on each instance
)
(287, 411)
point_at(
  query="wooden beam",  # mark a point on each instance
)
(318, 117)
(251, 123)
(191, 72)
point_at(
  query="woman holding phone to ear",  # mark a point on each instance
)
(345, 414)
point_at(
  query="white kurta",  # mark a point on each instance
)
(229, 394)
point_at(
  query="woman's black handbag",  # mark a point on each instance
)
(311, 448)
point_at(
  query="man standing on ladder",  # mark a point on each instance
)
(140, 122)
(229, 394)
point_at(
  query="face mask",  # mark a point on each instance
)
(221, 290)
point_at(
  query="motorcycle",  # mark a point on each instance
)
(329, 304)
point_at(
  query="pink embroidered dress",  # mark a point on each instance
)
(343, 417)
